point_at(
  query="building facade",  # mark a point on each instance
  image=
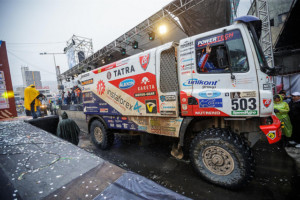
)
(31, 77)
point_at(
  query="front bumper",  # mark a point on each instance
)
(272, 131)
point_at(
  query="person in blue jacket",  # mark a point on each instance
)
(204, 65)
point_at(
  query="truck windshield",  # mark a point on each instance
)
(235, 48)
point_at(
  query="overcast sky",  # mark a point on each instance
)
(30, 27)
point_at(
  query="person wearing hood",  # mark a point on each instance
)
(30, 94)
(295, 116)
(68, 130)
(281, 110)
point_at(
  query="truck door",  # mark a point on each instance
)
(224, 81)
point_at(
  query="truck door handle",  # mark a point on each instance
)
(192, 101)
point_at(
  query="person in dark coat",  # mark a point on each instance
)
(68, 130)
(295, 116)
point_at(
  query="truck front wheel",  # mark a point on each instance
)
(222, 157)
(101, 137)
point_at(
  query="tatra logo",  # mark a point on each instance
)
(151, 106)
(100, 87)
(144, 61)
(125, 70)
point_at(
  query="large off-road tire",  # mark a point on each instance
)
(222, 157)
(101, 137)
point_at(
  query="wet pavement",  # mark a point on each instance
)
(34, 164)
(275, 177)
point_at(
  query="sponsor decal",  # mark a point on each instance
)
(137, 107)
(119, 99)
(244, 112)
(182, 60)
(168, 112)
(217, 38)
(233, 82)
(183, 100)
(145, 80)
(186, 72)
(151, 106)
(209, 94)
(108, 75)
(194, 81)
(145, 94)
(266, 87)
(168, 98)
(267, 102)
(142, 128)
(126, 84)
(271, 135)
(146, 87)
(154, 122)
(123, 71)
(208, 113)
(122, 62)
(187, 53)
(85, 75)
(100, 87)
(144, 61)
(163, 106)
(236, 95)
(125, 125)
(227, 94)
(102, 104)
(211, 103)
(104, 110)
(187, 66)
(184, 106)
(87, 82)
(186, 44)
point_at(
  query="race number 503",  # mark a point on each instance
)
(243, 104)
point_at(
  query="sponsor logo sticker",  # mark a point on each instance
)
(211, 103)
(267, 102)
(168, 98)
(151, 106)
(236, 95)
(144, 61)
(87, 82)
(126, 84)
(244, 112)
(100, 87)
(272, 135)
(209, 94)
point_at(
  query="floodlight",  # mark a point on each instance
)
(162, 29)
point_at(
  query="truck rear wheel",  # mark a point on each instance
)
(222, 157)
(101, 137)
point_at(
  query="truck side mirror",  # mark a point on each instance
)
(222, 57)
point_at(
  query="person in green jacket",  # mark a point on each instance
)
(281, 110)
(68, 130)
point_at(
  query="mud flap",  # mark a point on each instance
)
(177, 151)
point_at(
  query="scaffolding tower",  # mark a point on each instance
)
(260, 9)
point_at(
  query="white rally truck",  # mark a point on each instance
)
(217, 105)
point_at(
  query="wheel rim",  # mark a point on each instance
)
(98, 134)
(218, 160)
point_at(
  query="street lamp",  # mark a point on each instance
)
(59, 82)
